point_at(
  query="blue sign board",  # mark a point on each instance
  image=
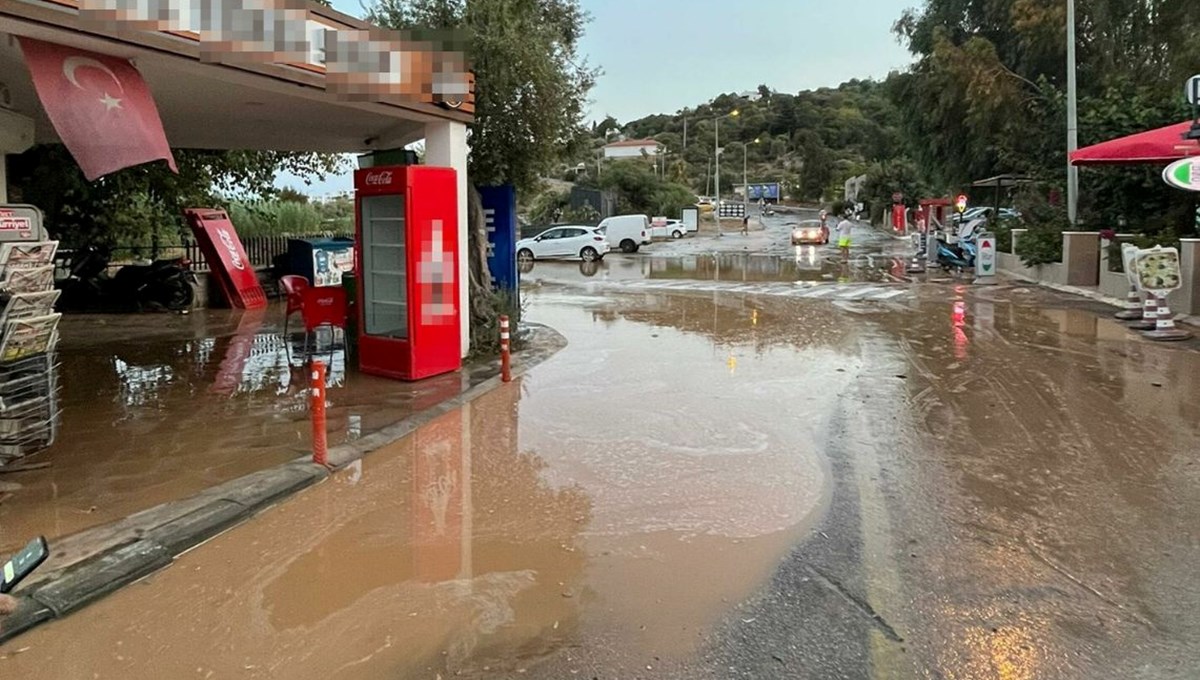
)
(500, 219)
(769, 192)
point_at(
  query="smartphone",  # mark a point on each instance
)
(23, 563)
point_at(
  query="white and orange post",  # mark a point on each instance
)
(505, 351)
(320, 441)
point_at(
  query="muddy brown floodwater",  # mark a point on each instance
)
(596, 500)
(956, 482)
(157, 407)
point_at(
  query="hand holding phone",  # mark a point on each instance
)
(23, 563)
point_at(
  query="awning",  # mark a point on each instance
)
(206, 105)
(1002, 181)
(1161, 146)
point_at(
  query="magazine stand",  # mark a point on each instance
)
(28, 338)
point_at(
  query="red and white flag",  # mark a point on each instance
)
(100, 106)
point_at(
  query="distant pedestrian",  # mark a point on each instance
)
(844, 228)
(745, 225)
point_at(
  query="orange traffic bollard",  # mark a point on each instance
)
(505, 353)
(320, 442)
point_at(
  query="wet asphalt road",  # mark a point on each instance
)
(743, 466)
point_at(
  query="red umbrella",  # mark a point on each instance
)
(1163, 145)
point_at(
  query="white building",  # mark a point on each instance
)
(632, 148)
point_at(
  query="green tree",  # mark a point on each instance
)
(143, 205)
(987, 93)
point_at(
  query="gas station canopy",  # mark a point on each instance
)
(206, 105)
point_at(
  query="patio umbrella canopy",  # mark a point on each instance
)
(1163, 145)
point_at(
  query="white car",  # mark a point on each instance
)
(668, 229)
(570, 242)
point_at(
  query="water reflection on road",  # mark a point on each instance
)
(588, 501)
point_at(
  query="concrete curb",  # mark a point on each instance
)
(101, 560)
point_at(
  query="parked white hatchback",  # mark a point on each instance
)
(569, 242)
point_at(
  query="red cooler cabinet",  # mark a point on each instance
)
(407, 265)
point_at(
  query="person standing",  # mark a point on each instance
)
(745, 225)
(844, 229)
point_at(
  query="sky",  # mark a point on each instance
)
(660, 56)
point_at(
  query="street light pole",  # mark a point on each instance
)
(717, 172)
(1072, 118)
(745, 182)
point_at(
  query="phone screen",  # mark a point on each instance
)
(23, 563)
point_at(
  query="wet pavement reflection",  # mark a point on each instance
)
(159, 407)
(529, 522)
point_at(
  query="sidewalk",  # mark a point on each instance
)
(1090, 294)
(89, 564)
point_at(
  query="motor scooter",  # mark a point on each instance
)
(165, 284)
(960, 255)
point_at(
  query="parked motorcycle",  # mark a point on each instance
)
(166, 284)
(961, 255)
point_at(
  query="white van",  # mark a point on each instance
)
(627, 232)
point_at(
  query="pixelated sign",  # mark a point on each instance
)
(435, 274)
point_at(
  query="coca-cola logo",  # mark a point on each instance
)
(378, 179)
(234, 258)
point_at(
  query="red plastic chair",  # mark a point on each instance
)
(293, 289)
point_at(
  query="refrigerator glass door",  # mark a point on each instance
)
(385, 268)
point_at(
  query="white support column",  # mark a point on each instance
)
(446, 146)
(3, 178)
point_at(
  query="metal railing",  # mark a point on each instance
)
(260, 250)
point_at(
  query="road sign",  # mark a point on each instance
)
(1183, 174)
(960, 203)
(1193, 90)
(985, 259)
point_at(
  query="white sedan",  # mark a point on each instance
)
(584, 243)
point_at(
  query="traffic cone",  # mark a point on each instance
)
(1165, 329)
(1133, 302)
(1149, 320)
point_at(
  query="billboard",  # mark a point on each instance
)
(767, 191)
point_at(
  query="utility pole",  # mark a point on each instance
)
(1072, 118)
(685, 134)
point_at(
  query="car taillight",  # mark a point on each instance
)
(598, 238)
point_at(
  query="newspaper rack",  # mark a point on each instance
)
(29, 394)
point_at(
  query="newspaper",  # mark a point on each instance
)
(28, 337)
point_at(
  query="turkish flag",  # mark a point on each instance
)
(99, 105)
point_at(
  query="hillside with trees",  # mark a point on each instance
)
(811, 141)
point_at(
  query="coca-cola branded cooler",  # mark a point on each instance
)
(407, 267)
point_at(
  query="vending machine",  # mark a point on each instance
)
(407, 271)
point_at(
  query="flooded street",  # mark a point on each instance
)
(777, 471)
(162, 406)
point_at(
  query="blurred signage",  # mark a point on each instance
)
(985, 260)
(768, 191)
(500, 220)
(960, 203)
(1183, 174)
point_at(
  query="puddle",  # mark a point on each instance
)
(813, 264)
(157, 407)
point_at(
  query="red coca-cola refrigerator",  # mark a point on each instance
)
(407, 266)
